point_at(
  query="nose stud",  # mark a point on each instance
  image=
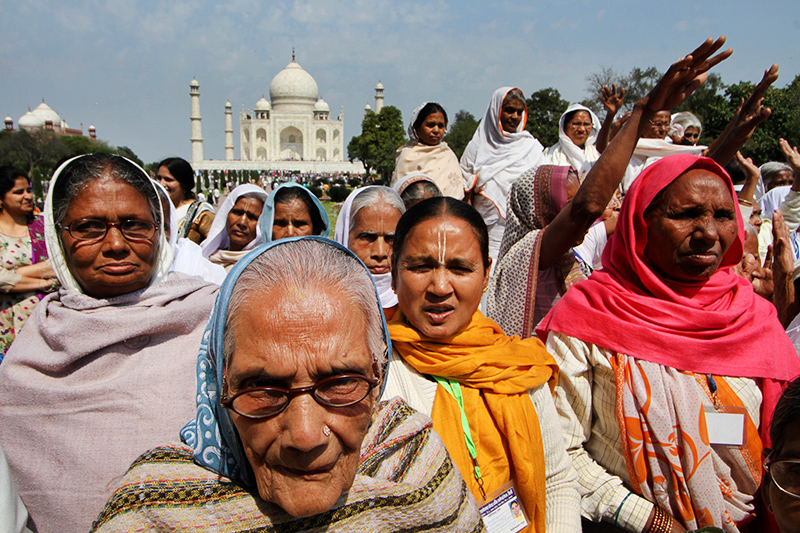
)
(326, 431)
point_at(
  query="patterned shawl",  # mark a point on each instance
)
(38, 244)
(535, 200)
(495, 373)
(405, 481)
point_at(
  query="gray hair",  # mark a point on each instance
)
(373, 196)
(688, 120)
(78, 173)
(514, 94)
(768, 170)
(418, 191)
(298, 264)
(255, 195)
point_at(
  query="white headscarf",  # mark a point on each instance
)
(412, 133)
(566, 152)
(218, 234)
(56, 251)
(383, 282)
(494, 159)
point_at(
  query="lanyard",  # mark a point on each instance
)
(453, 388)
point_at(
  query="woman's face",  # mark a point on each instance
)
(292, 338)
(511, 114)
(372, 235)
(755, 217)
(691, 227)
(19, 200)
(440, 276)
(432, 129)
(112, 265)
(242, 222)
(786, 508)
(780, 179)
(173, 186)
(579, 128)
(691, 135)
(292, 219)
(657, 127)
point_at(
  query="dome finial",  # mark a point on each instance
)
(292, 53)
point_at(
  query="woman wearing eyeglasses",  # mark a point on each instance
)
(781, 485)
(289, 434)
(577, 132)
(103, 370)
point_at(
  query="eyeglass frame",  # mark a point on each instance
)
(659, 124)
(291, 393)
(576, 125)
(769, 460)
(109, 225)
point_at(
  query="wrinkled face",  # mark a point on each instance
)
(690, 227)
(786, 508)
(372, 235)
(657, 127)
(691, 135)
(432, 129)
(19, 200)
(780, 179)
(579, 128)
(112, 265)
(173, 186)
(511, 114)
(292, 219)
(294, 338)
(440, 276)
(755, 217)
(242, 222)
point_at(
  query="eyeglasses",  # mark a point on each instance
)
(691, 135)
(659, 124)
(785, 473)
(92, 229)
(336, 391)
(581, 124)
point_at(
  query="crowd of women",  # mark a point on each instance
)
(582, 337)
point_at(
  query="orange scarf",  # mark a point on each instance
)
(495, 373)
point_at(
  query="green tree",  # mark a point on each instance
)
(28, 151)
(545, 108)
(126, 152)
(381, 135)
(637, 83)
(461, 131)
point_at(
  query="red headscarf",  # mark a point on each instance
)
(717, 326)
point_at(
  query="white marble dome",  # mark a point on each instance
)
(29, 120)
(293, 83)
(263, 105)
(46, 113)
(322, 105)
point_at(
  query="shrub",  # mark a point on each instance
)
(338, 193)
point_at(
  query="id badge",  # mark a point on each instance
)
(726, 428)
(502, 511)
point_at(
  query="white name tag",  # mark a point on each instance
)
(725, 428)
(502, 512)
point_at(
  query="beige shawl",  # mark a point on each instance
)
(439, 162)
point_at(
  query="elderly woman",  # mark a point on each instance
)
(488, 394)
(577, 132)
(293, 211)
(289, 433)
(690, 128)
(499, 152)
(25, 276)
(194, 215)
(235, 230)
(669, 361)
(781, 485)
(413, 188)
(101, 372)
(366, 226)
(426, 152)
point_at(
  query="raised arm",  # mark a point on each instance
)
(571, 224)
(612, 101)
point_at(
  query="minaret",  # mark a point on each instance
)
(378, 97)
(228, 132)
(197, 131)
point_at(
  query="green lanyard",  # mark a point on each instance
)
(453, 388)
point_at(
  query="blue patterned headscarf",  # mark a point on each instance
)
(267, 219)
(212, 433)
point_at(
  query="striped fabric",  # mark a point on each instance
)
(405, 482)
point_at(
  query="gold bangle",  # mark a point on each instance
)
(745, 202)
(662, 521)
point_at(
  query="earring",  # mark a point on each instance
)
(485, 289)
(326, 431)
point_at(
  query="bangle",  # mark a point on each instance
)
(662, 521)
(616, 515)
(745, 202)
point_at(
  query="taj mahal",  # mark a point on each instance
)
(293, 130)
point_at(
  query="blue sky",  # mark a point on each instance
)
(125, 65)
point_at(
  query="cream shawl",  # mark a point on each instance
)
(565, 152)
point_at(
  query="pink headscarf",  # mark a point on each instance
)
(718, 326)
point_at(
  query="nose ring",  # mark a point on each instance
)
(326, 431)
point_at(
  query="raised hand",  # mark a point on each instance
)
(791, 154)
(686, 75)
(751, 113)
(611, 99)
